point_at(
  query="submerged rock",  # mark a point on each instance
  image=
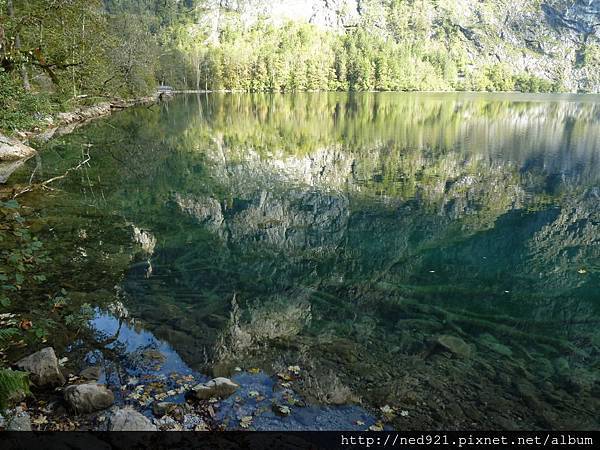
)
(454, 345)
(43, 368)
(11, 149)
(218, 388)
(91, 373)
(128, 419)
(161, 408)
(89, 397)
(489, 341)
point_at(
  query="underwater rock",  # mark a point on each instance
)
(562, 366)
(454, 345)
(218, 387)
(91, 373)
(489, 341)
(128, 419)
(43, 368)
(161, 408)
(88, 397)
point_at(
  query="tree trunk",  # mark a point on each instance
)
(22, 68)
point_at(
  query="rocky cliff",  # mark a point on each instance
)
(553, 40)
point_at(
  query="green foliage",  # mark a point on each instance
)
(20, 253)
(12, 383)
(52, 55)
(531, 83)
(20, 109)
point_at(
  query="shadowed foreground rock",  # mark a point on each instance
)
(127, 419)
(89, 397)
(43, 368)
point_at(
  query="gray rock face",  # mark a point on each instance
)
(216, 388)
(43, 368)
(19, 422)
(11, 149)
(205, 210)
(89, 397)
(127, 419)
(84, 114)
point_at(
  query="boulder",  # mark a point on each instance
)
(43, 368)
(127, 419)
(19, 422)
(454, 345)
(216, 388)
(8, 167)
(11, 149)
(88, 397)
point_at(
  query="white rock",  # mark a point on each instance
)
(128, 419)
(11, 149)
(218, 387)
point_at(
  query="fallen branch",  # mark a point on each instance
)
(44, 184)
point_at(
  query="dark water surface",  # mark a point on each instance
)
(436, 253)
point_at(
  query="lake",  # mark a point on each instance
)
(430, 258)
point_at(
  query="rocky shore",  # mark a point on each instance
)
(14, 151)
(81, 402)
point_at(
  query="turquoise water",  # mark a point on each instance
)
(436, 253)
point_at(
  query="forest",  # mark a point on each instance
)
(57, 54)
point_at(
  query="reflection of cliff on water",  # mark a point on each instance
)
(347, 233)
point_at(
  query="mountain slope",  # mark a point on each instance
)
(556, 42)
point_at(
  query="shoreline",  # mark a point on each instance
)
(17, 149)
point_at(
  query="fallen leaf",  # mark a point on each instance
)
(387, 409)
(25, 324)
(39, 420)
(201, 427)
(376, 427)
(294, 369)
(254, 370)
(245, 421)
(282, 409)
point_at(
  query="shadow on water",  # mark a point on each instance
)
(435, 253)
